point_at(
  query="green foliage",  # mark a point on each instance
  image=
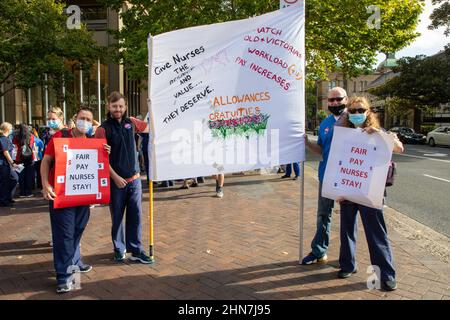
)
(424, 129)
(336, 30)
(440, 17)
(35, 40)
(422, 82)
(321, 115)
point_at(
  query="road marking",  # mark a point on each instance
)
(427, 175)
(434, 154)
(419, 157)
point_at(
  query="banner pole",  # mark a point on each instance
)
(150, 249)
(150, 144)
(302, 201)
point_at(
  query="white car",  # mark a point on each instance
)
(439, 136)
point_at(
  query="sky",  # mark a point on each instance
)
(428, 43)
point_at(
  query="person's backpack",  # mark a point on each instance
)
(26, 153)
(391, 174)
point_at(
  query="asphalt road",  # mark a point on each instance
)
(422, 185)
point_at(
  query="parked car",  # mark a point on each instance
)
(408, 135)
(439, 136)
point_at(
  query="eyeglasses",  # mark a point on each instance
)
(338, 99)
(359, 110)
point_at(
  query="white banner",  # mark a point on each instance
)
(357, 166)
(227, 97)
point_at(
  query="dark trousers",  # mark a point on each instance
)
(296, 169)
(376, 235)
(67, 225)
(8, 183)
(321, 240)
(37, 172)
(26, 179)
(127, 199)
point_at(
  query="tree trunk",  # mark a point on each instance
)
(417, 119)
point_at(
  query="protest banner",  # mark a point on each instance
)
(81, 172)
(229, 100)
(357, 166)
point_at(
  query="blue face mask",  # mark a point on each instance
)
(54, 124)
(357, 119)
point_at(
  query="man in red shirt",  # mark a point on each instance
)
(67, 224)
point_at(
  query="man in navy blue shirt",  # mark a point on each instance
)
(337, 100)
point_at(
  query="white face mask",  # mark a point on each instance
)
(83, 126)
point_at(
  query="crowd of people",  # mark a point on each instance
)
(27, 161)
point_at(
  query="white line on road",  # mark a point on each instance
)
(427, 175)
(408, 155)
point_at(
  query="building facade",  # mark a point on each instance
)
(89, 87)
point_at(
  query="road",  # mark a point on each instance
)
(422, 185)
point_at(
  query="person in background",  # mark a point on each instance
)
(289, 171)
(220, 179)
(8, 175)
(24, 142)
(39, 151)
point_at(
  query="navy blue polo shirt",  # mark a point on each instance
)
(5, 144)
(120, 136)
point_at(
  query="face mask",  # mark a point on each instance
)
(337, 110)
(84, 126)
(357, 119)
(54, 124)
(90, 131)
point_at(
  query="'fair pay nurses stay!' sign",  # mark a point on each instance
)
(357, 166)
(81, 172)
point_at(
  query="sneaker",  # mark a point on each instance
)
(194, 184)
(219, 193)
(201, 180)
(119, 256)
(389, 285)
(30, 196)
(85, 268)
(344, 274)
(64, 287)
(285, 176)
(142, 258)
(184, 186)
(295, 178)
(311, 259)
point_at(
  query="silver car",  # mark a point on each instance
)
(440, 136)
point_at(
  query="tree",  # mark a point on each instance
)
(440, 17)
(341, 31)
(422, 83)
(34, 40)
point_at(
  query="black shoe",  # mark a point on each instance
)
(85, 268)
(119, 256)
(389, 285)
(142, 258)
(344, 274)
(285, 176)
(201, 180)
(65, 287)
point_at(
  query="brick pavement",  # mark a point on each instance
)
(244, 246)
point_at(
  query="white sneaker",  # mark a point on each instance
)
(219, 194)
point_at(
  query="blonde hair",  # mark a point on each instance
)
(57, 110)
(371, 120)
(4, 127)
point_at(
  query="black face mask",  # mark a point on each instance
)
(337, 110)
